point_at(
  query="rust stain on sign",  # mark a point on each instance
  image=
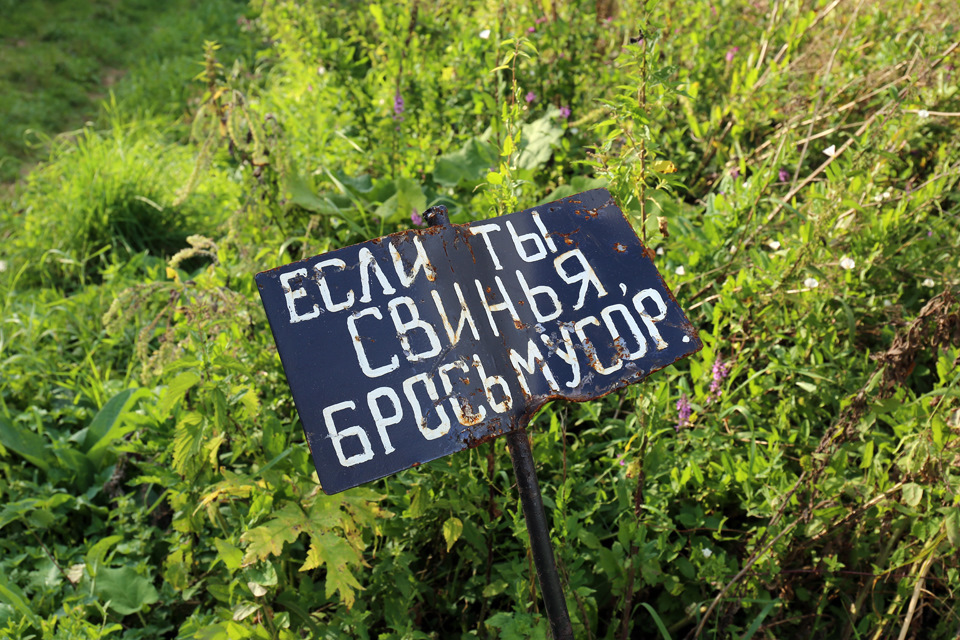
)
(410, 347)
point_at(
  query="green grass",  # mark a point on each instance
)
(60, 59)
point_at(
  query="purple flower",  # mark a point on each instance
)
(564, 112)
(683, 412)
(416, 218)
(541, 20)
(721, 370)
(530, 97)
(732, 53)
(531, 29)
(784, 175)
(735, 173)
(398, 107)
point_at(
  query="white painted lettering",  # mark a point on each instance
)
(589, 349)
(533, 357)
(607, 315)
(585, 277)
(531, 294)
(484, 230)
(325, 288)
(546, 236)
(355, 431)
(465, 316)
(461, 407)
(648, 320)
(381, 421)
(567, 353)
(368, 263)
(292, 295)
(489, 382)
(427, 382)
(358, 345)
(403, 328)
(518, 241)
(422, 262)
(490, 308)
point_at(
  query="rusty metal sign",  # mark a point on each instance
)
(409, 347)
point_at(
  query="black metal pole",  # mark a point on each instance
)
(522, 457)
(533, 513)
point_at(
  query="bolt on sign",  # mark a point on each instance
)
(409, 347)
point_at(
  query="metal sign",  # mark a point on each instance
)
(409, 347)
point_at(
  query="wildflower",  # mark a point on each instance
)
(929, 234)
(530, 97)
(830, 151)
(784, 175)
(735, 173)
(574, 130)
(887, 303)
(564, 112)
(680, 270)
(541, 20)
(416, 218)
(707, 553)
(885, 195)
(923, 113)
(732, 52)
(398, 106)
(659, 251)
(321, 70)
(683, 412)
(720, 372)
(531, 29)
(811, 283)
(774, 244)
(485, 34)
(847, 263)
(927, 282)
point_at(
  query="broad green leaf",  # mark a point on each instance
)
(268, 539)
(187, 442)
(13, 596)
(175, 391)
(452, 529)
(336, 553)
(469, 164)
(231, 556)
(124, 590)
(27, 444)
(109, 425)
(912, 493)
(98, 552)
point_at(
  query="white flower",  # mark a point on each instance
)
(923, 113)
(886, 195)
(321, 70)
(830, 151)
(659, 251)
(707, 553)
(485, 34)
(574, 130)
(887, 303)
(774, 244)
(680, 270)
(928, 282)
(847, 263)
(811, 283)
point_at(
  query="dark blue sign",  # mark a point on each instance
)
(410, 347)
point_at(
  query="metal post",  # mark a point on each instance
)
(553, 599)
(522, 457)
